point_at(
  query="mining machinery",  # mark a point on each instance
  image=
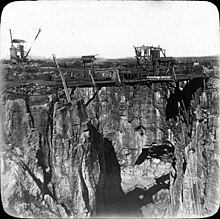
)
(17, 52)
(152, 57)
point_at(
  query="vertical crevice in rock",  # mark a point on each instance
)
(29, 111)
(180, 100)
(47, 172)
(49, 142)
(113, 191)
(85, 192)
(68, 212)
(190, 127)
(184, 165)
(109, 190)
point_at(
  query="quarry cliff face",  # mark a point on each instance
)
(147, 150)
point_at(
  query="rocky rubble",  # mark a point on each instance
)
(128, 151)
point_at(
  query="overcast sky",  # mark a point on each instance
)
(111, 29)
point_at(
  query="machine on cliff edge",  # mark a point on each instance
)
(152, 57)
(17, 52)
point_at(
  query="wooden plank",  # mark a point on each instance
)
(63, 79)
(90, 74)
(118, 76)
(101, 83)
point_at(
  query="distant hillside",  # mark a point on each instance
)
(198, 58)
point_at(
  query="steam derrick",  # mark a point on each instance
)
(17, 52)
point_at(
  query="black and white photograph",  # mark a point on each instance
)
(109, 109)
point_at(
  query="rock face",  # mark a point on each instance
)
(148, 151)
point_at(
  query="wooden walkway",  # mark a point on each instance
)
(71, 83)
(141, 81)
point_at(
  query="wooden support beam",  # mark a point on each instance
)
(119, 79)
(63, 79)
(93, 81)
(174, 74)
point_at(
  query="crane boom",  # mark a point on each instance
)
(11, 36)
(32, 44)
